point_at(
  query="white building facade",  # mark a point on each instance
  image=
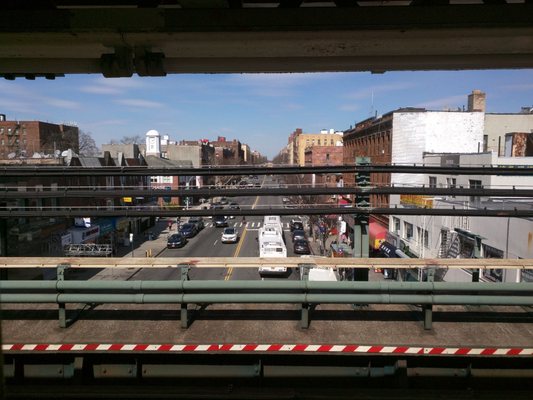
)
(451, 236)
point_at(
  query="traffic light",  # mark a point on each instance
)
(362, 180)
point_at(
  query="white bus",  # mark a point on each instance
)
(271, 244)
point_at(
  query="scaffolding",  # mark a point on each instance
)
(88, 250)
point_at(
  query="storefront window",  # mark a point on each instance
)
(495, 275)
(408, 230)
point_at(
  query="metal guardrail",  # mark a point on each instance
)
(306, 293)
(256, 262)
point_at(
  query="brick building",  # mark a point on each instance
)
(371, 138)
(228, 152)
(24, 138)
(302, 141)
(323, 155)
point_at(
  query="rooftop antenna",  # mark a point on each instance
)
(372, 104)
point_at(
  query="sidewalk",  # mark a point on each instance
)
(143, 246)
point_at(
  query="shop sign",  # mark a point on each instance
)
(127, 199)
(106, 225)
(82, 222)
(416, 200)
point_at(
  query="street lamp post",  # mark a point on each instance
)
(131, 243)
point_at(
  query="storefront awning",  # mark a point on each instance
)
(377, 234)
(391, 251)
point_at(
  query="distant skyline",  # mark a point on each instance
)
(261, 110)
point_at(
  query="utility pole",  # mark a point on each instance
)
(360, 242)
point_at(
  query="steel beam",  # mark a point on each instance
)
(149, 211)
(24, 171)
(101, 192)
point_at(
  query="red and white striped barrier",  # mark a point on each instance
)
(269, 348)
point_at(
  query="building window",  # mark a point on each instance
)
(451, 183)
(331, 142)
(408, 230)
(1, 130)
(318, 142)
(327, 157)
(3, 142)
(475, 184)
(432, 181)
(396, 225)
(423, 236)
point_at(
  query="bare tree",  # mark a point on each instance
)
(87, 144)
(137, 139)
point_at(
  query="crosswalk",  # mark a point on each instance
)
(248, 225)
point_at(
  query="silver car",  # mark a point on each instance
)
(230, 235)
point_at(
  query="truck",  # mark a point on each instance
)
(317, 273)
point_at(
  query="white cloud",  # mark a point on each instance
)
(18, 106)
(444, 102)
(30, 101)
(107, 122)
(294, 106)
(112, 85)
(61, 103)
(349, 107)
(140, 103)
(274, 85)
(366, 93)
(519, 87)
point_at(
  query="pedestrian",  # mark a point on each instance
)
(244, 218)
(169, 225)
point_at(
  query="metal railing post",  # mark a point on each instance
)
(304, 322)
(61, 272)
(184, 316)
(428, 308)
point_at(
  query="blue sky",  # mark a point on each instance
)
(258, 109)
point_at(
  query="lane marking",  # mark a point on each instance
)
(236, 254)
(241, 241)
(215, 242)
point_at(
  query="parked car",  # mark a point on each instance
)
(223, 200)
(229, 235)
(198, 221)
(176, 240)
(296, 224)
(189, 230)
(301, 247)
(298, 234)
(233, 206)
(220, 221)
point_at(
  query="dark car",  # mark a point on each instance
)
(301, 247)
(189, 230)
(198, 221)
(298, 234)
(233, 206)
(176, 240)
(220, 221)
(296, 225)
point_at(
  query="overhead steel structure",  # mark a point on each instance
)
(27, 170)
(118, 38)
